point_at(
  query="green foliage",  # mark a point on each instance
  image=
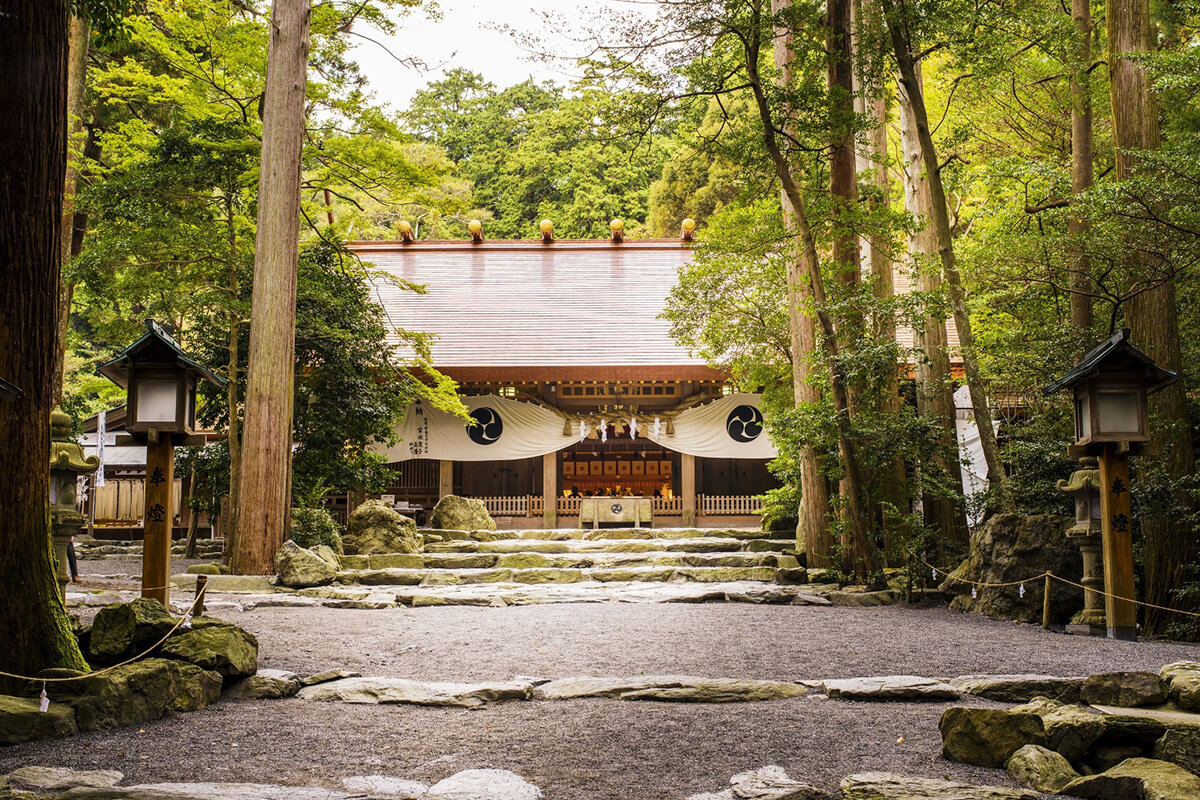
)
(533, 152)
(315, 526)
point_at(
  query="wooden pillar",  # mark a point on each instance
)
(445, 478)
(1117, 543)
(158, 518)
(550, 490)
(687, 477)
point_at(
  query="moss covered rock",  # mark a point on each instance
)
(1140, 779)
(1011, 547)
(300, 568)
(461, 514)
(376, 527)
(987, 737)
(21, 720)
(133, 693)
(123, 630)
(225, 649)
(1183, 683)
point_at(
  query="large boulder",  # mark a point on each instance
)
(1014, 547)
(225, 649)
(1125, 689)
(1180, 745)
(300, 568)
(133, 693)
(987, 737)
(1138, 779)
(454, 513)
(1070, 730)
(1183, 683)
(123, 630)
(376, 527)
(1040, 768)
(22, 720)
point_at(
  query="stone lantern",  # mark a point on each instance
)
(1084, 485)
(161, 411)
(1110, 386)
(67, 463)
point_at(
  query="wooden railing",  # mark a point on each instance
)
(507, 506)
(728, 505)
(706, 505)
(669, 506)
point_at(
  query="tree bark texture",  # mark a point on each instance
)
(77, 50)
(264, 500)
(940, 217)
(1168, 544)
(232, 398)
(935, 394)
(34, 626)
(1081, 165)
(866, 554)
(812, 530)
(871, 102)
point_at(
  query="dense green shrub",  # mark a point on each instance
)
(314, 526)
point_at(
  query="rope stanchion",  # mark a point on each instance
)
(1049, 576)
(187, 618)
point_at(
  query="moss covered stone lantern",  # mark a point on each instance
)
(67, 463)
(1084, 486)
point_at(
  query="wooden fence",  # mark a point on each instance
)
(706, 505)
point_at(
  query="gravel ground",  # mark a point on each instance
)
(713, 640)
(573, 750)
(593, 749)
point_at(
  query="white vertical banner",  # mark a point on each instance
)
(101, 419)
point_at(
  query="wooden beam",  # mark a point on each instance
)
(445, 478)
(550, 490)
(1117, 543)
(687, 470)
(158, 519)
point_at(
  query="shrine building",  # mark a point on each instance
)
(575, 383)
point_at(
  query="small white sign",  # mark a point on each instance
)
(390, 499)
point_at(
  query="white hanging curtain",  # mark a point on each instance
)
(731, 427)
(506, 430)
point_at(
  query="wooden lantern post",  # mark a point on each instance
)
(1112, 422)
(161, 411)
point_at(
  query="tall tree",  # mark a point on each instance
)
(77, 50)
(1082, 169)
(1153, 315)
(264, 501)
(900, 34)
(812, 530)
(33, 50)
(935, 393)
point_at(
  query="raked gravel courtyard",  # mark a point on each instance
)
(599, 749)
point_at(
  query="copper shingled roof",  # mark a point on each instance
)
(528, 304)
(502, 307)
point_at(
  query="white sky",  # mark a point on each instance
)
(465, 37)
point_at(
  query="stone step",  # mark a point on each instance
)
(592, 534)
(454, 577)
(688, 545)
(575, 560)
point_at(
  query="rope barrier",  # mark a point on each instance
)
(187, 618)
(1052, 576)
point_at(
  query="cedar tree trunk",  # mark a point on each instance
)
(264, 500)
(34, 626)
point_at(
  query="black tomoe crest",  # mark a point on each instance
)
(488, 426)
(744, 424)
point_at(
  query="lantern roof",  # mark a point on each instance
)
(155, 347)
(1116, 353)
